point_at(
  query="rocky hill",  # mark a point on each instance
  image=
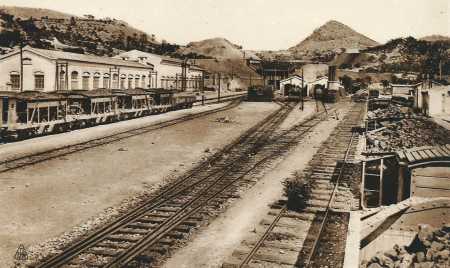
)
(329, 38)
(401, 55)
(218, 48)
(105, 36)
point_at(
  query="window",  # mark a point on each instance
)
(62, 80)
(96, 82)
(15, 81)
(143, 82)
(122, 83)
(74, 80)
(39, 81)
(85, 81)
(115, 83)
(136, 80)
(106, 81)
(130, 82)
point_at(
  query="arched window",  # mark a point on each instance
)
(15, 80)
(74, 80)
(122, 81)
(130, 81)
(39, 81)
(85, 81)
(143, 81)
(115, 80)
(62, 80)
(136, 81)
(96, 82)
(106, 81)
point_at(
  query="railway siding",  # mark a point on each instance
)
(161, 224)
(286, 238)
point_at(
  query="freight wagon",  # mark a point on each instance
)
(32, 113)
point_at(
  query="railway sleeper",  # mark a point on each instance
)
(122, 238)
(106, 252)
(272, 257)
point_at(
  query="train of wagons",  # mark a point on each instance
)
(32, 113)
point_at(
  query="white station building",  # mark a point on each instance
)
(168, 71)
(51, 70)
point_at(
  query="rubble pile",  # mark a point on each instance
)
(429, 249)
(392, 111)
(405, 134)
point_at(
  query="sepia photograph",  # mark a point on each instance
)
(225, 134)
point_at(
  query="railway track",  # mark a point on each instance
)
(23, 161)
(316, 236)
(147, 233)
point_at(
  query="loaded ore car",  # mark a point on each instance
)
(260, 93)
(183, 100)
(32, 113)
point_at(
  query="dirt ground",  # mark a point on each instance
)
(212, 245)
(47, 199)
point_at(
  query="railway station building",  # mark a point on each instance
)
(51, 70)
(168, 71)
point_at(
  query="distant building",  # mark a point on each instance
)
(51, 70)
(435, 100)
(294, 81)
(404, 90)
(168, 71)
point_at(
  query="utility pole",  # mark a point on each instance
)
(301, 91)
(183, 74)
(218, 91)
(21, 66)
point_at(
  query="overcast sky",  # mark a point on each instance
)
(262, 24)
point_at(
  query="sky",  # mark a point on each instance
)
(262, 24)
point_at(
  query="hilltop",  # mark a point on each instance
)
(218, 48)
(329, 38)
(100, 36)
(435, 38)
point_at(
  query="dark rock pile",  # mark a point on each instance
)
(407, 133)
(429, 249)
(392, 111)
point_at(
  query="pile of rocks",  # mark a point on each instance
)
(430, 249)
(407, 133)
(392, 111)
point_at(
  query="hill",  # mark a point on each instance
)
(401, 55)
(218, 48)
(435, 38)
(26, 12)
(104, 36)
(329, 38)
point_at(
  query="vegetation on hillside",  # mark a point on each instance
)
(89, 35)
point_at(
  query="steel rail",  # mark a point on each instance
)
(313, 251)
(158, 200)
(178, 218)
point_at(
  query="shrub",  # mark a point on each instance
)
(298, 192)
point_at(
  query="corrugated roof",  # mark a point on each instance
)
(62, 55)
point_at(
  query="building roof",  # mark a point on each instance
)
(147, 54)
(292, 77)
(406, 85)
(421, 155)
(164, 59)
(68, 56)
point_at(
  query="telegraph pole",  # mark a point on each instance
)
(21, 66)
(301, 92)
(218, 91)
